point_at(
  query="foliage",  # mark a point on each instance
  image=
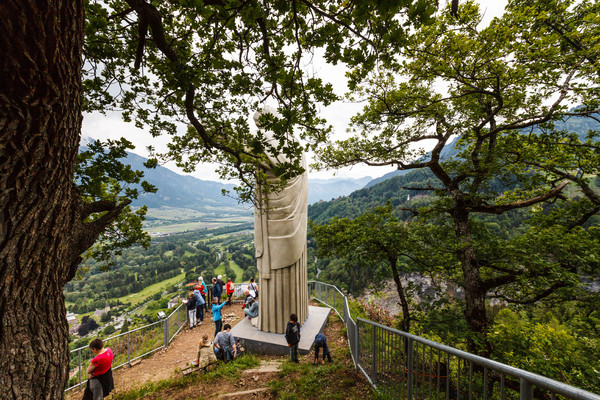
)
(374, 237)
(102, 179)
(546, 347)
(504, 90)
(211, 64)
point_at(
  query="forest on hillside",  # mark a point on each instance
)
(228, 251)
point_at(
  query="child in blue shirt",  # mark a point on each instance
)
(216, 310)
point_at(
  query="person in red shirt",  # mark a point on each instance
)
(100, 382)
(230, 287)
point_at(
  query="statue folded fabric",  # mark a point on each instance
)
(280, 223)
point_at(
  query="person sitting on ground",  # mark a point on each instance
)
(292, 336)
(206, 353)
(101, 382)
(216, 290)
(230, 287)
(216, 310)
(252, 310)
(224, 341)
(321, 342)
(191, 308)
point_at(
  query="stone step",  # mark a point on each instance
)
(245, 392)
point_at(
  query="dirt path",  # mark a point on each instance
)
(180, 353)
(163, 364)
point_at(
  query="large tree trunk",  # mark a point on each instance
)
(40, 210)
(475, 293)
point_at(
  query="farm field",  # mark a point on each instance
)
(220, 270)
(151, 290)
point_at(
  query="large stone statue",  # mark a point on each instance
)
(280, 220)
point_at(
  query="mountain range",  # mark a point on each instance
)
(185, 191)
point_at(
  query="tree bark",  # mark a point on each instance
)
(403, 300)
(475, 291)
(40, 208)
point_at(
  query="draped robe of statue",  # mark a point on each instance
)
(280, 223)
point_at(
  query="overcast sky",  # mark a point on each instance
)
(111, 126)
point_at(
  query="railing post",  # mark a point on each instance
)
(166, 331)
(357, 355)
(410, 371)
(374, 355)
(129, 349)
(79, 354)
(526, 390)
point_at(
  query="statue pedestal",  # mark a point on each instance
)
(259, 342)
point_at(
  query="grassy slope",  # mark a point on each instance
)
(151, 290)
(220, 270)
(334, 381)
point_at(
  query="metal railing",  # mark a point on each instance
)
(137, 343)
(129, 346)
(404, 366)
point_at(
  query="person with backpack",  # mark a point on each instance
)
(101, 381)
(292, 336)
(321, 342)
(191, 308)
(253, 289)
(225, 348)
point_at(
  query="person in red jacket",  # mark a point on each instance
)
(230, 287)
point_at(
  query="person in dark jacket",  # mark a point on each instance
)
(292, 336)
(101, 381)
(216, 290)
(191, 308)
(321, 342)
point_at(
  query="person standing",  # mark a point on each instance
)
(230, 287)
(100, 382)
(202, 289)
(253, 289)
(216, 290)
(216, 310)
(199, 306)
(292, 336)
(191, 308)
(220, 282)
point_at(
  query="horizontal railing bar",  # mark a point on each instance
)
(535, 379)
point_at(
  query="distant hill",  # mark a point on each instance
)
(185, 191)
(329, 189)
(180, 191)
(389, 186)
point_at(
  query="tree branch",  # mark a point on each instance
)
(499, 209)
